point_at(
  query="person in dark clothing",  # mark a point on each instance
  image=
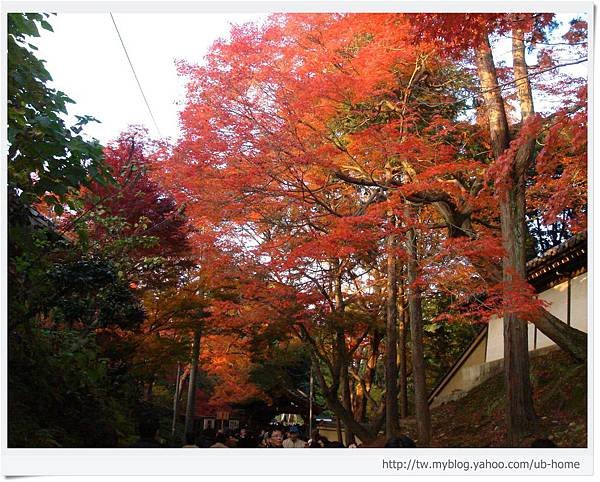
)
(220, 440)
(103, 436)
(207, 437)
(543, 443)
(190, 441)
(230, 439)
(246, 440)
(313, 441)
(318, 441)
(400, 442)
(148, 429)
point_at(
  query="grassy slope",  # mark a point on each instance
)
(477, 420)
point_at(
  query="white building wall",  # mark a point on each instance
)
(495, 347)
(495, 339)
(531, 336)
(579, 302)
(470, 374)
(557, 297)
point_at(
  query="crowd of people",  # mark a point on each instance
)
(275, 436)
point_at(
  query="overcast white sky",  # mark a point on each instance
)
(87, 62)
(86, 59)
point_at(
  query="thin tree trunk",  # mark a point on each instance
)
(378, 422)
(369, 376)
(191, 399)
(391, 369)
(346, 401)
(402, 376)
(176, 401)
(416, 329)
(341, 356)
(521, 75)
(184, 376)
(149, 388)
(310, 401)
(360, 395)
(493, 102)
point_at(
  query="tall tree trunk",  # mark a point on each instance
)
(191, 399)
(520, 413)
(416, 329)
(519, 408)
(402, 372)
(341, 353)
(391, 369)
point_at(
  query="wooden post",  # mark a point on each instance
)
(310, 402)
(176, 401)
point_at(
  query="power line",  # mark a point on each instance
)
(135, 75)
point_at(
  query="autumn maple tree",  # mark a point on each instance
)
(333, 146)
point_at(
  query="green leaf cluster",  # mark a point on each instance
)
(47, 158)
